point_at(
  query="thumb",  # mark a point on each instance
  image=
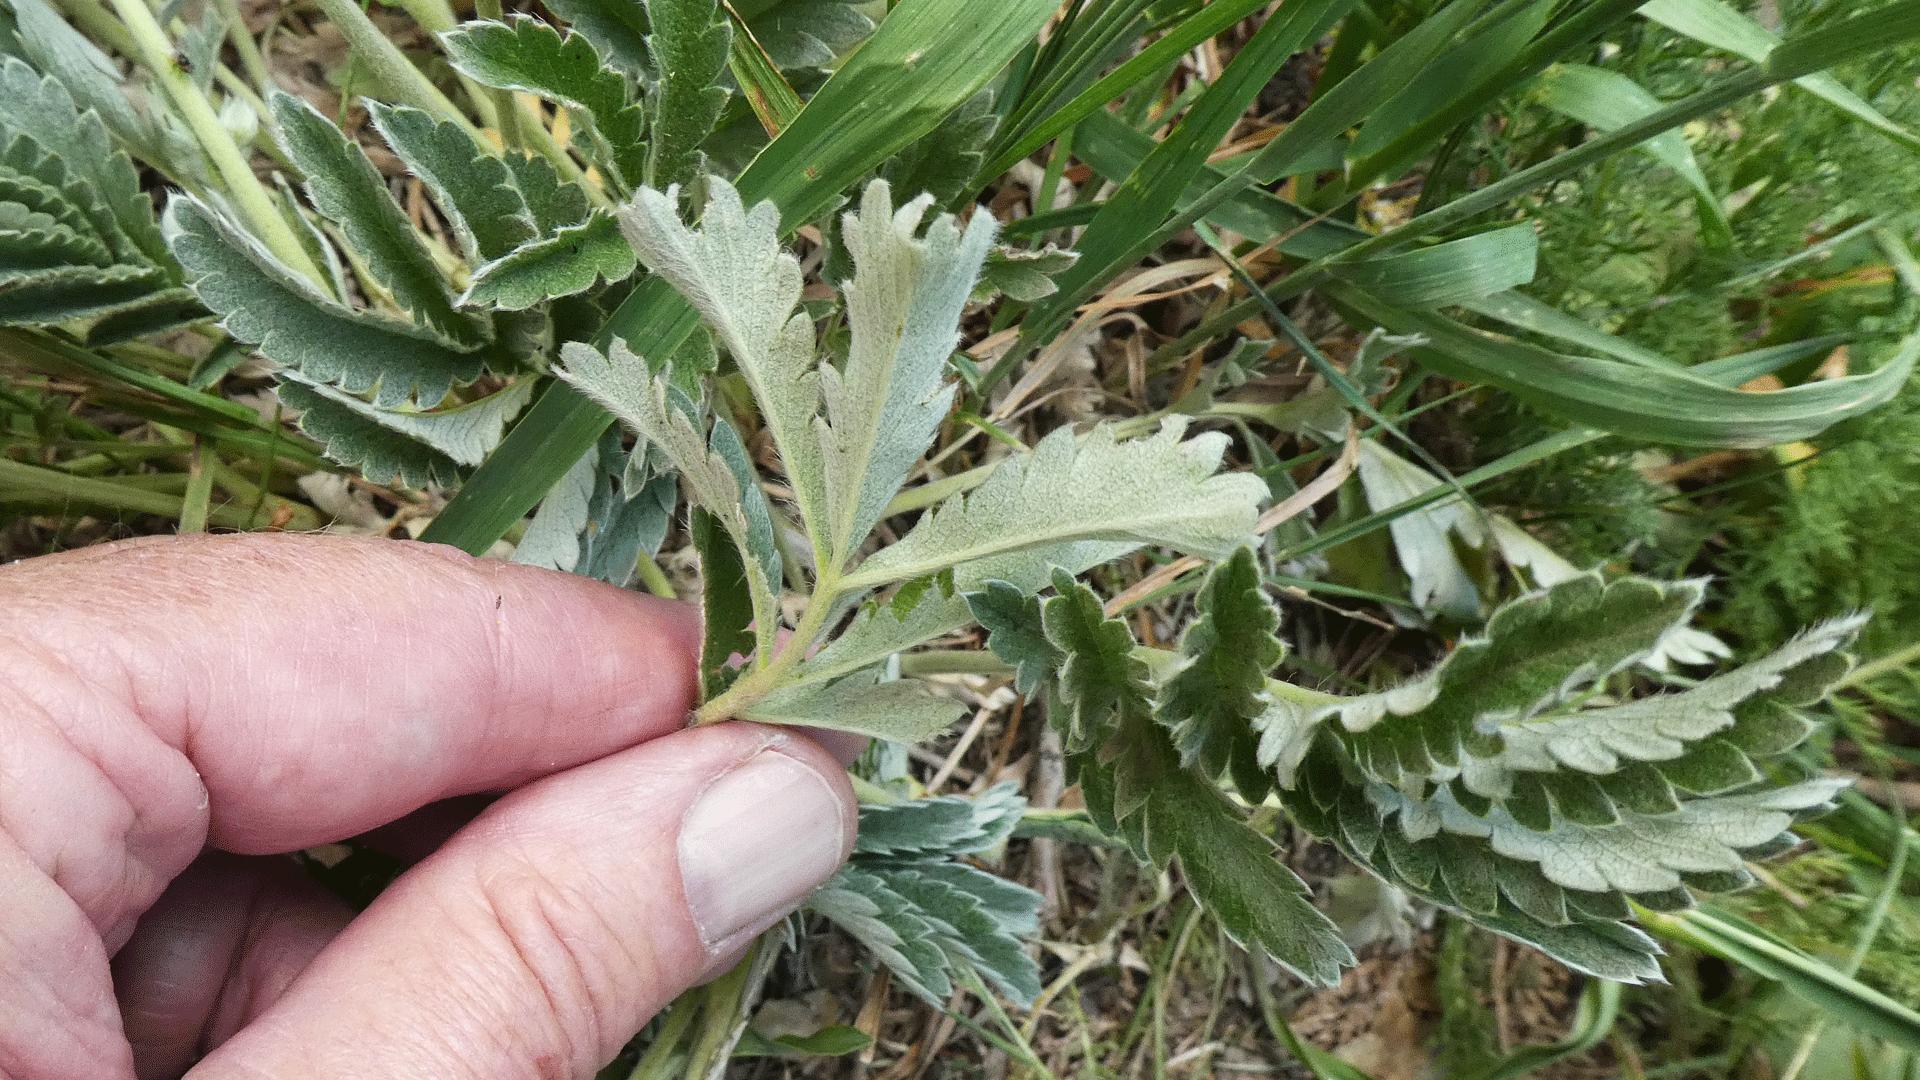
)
(546, 932)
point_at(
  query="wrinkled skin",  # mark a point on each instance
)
(174, 712)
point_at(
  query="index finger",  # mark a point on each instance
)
(323, 685)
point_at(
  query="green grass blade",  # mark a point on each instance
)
(1840, 996)
(1204, 24)
(1712, 22)
(1660, 406)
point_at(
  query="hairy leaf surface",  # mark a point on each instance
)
(745, 285)
(688, 45)
(1136, 787)
(348, 190)
(1155, 490)
(1226, 653)
(526, 54)
(572, 259)
(901, 711)
(471, 186)
(903, 308)
(264, 304)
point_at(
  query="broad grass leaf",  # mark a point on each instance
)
(348, 190)
(1632, 399)
(1153, 490)
(264, 304)
(1454, 272)
(1607, 100)
(1721, 26)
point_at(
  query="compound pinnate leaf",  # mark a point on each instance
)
(1156, 490)
(940, 826)
(1136, 787)
(1571, 804)
(922, 913)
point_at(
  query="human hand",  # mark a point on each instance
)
(166, 702)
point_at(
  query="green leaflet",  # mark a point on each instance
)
(617, 29)
(903, 308)
(554, 203)
(43, 110)
(726, 601)
(572, 259)
(264, 304)
(944, 826)
(30, 241)
(688, 46)
(463, 434)
(944, 163)
(526, 54)
(900, 711)
(804, 33)
(603, 515)
(470, 185)
(376, 451)
(346, 189)
(1016, 633)
(1227, 653)
(1154, 490)
(716, 470)
(77, 292)
(1136, 787)
(745, 286)
(923, 913)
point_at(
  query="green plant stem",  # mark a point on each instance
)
(758, 681)
(30, 483)
(193, 506)
(243, 44)
(243, 188)
(656, 1063)
(1879, 666)
(654, 578)
(392, 71)
(724, 1000)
